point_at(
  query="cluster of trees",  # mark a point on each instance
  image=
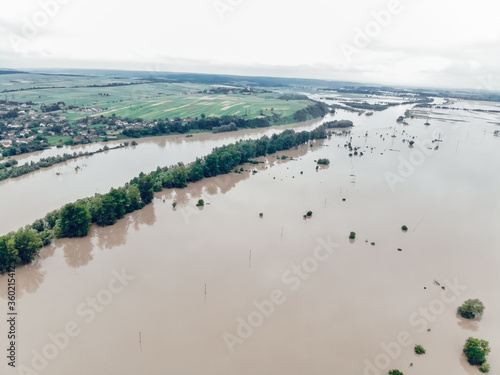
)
(476, 351)
(338, 124)
(225, 128)
(16, 171)
(371, 107)
(74, 219)
(51, 107)
(9, 115)
(7, 164)
(207, 124)
(293, 96)
(24, 148)
(318, 109)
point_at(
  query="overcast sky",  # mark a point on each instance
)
(409, 42)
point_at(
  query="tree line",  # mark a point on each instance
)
(224, 123)
(16, 171)
(75, 219)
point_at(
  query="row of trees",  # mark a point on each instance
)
(75, 219)
(221, 124)
(318, 109)
(16, 171)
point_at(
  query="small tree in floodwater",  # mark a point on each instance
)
(200, 203)
(352, 236)
(471, 309)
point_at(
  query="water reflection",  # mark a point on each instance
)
(145, 216)
(114, 235)
(467, 366)
(28, 280)
(77, 252)
(469, 324)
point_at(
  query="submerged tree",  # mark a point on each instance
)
(476, 351)
(74, 221)
(471, 309)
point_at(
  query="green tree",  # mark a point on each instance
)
(27, 244)
(419, 349)
(106, 210)
(51, 219)
(8, 254)
(471, 309)
(395, 372)
(476, 351)
(146, 188)
(133, 198)
(74, 221)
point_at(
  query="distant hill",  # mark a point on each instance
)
(202, 78)
(11, 71)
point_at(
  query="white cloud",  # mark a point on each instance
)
(427, 42)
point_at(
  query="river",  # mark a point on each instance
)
(221, 290)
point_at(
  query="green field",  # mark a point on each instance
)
(149, 101)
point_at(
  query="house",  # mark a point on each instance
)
(6, 142)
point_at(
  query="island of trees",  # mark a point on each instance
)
(74, 219)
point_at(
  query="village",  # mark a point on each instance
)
(25, 128)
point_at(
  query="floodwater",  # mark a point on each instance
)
(191, 276)
(66, 182)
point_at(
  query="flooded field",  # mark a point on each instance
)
(224, 290)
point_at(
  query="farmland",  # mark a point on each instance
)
(139, 98)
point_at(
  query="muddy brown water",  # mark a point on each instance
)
(194, 272)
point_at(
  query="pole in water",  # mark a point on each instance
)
(140, 340)
(250, 259)
(205, 292)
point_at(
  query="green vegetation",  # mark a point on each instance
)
(318, 109)
(476, 351)
(19, 170)
(471, 309)
(200, 203)
(74, 219)
(324, 161)
(395, 372)
(338, 124)
(309, 213)
(419, 349)
(404, 228)
(485, 368)
(352, 235)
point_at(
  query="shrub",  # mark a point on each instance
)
(324, 161)
(200, 203)
(419, 349)
(471, 309)
(352, 235)
(485, 368)
(404, 227)
(309, 213)
(395, 372)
